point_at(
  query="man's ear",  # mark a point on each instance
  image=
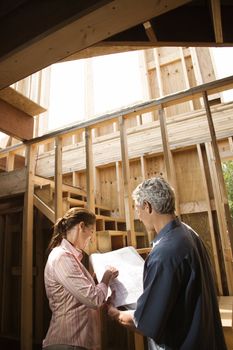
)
(148, 205)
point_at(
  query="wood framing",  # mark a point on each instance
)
(27, 255)
(15, 122)
(126, 175)
(91, 26)
(58, 178)
(107, 166)
(216, 16)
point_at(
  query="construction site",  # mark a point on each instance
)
(180, 130)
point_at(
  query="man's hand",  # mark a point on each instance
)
(123, 317)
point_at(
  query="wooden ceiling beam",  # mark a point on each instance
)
(15, 122)
(21, 102)
(217, 20)
(150, 31)
(92, 27)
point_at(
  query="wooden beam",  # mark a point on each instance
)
(90, 182)
(39, 278)
(217, 20)
(87, 30)
(15, 122)
(27, 256)
(13, 183)
(120, 189)
(166, 148)
(150, 31)
(89, 170)
(185, 75)
(10, 161)
(58, 178)
(21, 102)
(222, 224)
(200, 151)
(6, 273)
(126, 177)
(143, 167)
(218, 163)
(168, 159)
(42, 181)
(44, 208)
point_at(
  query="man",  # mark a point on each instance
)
(178, 308)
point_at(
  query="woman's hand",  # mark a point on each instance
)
(110, 274)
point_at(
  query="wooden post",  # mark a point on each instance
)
(226, 249)
(10, 161)
(90, 180)
(126, 176)
(6, 274)
(168, 160)
(166, 149)
(39, 279)
(200, 151)
(219, 169)
(186, 79)
(143, 167)
(27, 256)
(120, 190)
(58, 178)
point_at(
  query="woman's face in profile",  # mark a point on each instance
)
(86, 233)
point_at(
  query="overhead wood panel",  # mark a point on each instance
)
(88, 28)
(15, 122)
(21, 102)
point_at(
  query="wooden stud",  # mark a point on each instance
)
(120, 190)
(230, 143)
(158, 73)
(27, 255)
(6, 275)
(39, 279)
(186, 79)
(216, 16)
(150, 31)
(168, 159)
(126, 176)
(10, 161)
(90, 181)
(200, 151)
(218, 163)
(58, 178)
(226, 249)
(143, 167)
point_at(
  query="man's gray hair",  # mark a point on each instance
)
(158, 193)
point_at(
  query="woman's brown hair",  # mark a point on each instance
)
(71, 218)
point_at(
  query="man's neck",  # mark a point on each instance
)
(162, 220)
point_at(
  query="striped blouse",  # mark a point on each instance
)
(73, 299)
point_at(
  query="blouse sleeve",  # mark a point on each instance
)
(70, 274)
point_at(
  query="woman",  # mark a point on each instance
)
(73, 295)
